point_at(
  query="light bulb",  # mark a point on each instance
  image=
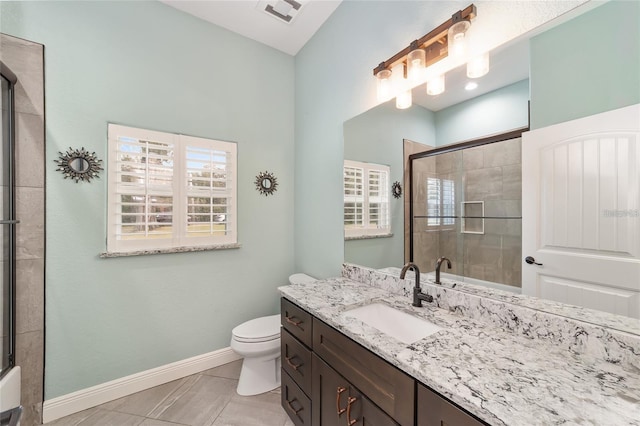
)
(404, 100)
(458, 39)
(435, 86)
(416, 66)
(478, 66)
(384, 87)
(397, 78)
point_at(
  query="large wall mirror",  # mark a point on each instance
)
(387, 135)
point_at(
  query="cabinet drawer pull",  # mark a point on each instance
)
(291, 364)
(294, 321)
(290, 404)
(350, 401)
(339, 410)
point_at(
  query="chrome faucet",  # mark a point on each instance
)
(438, 265)
(418, 295)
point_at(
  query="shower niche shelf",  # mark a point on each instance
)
(472, 217)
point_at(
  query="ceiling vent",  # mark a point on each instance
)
(283, 10)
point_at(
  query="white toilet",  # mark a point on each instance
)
(258, 341)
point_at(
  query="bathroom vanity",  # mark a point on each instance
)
(339, 370)
(324, 372)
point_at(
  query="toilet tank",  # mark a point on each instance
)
(301, 279)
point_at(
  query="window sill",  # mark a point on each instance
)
(367, 237)
(105, 255)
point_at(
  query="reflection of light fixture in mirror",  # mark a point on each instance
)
(404, 100)
(385, 91)
(472, 85)
(459, 39)
(416, 66)
(435, 86)
(478, 66)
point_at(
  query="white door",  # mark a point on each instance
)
(581, 212)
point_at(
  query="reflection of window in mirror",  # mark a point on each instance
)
(366, 199)
(441, 200)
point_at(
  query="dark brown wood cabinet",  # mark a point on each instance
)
(434, 410)
(330, 380)
(337, 402)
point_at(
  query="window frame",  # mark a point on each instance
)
(366, 229)
(179, 237)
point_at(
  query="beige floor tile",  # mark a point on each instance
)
(200, 400)
(230, 370)
(73, 419)
(258, 410)
(111, 418)
(145, 402)
(200, 404)
(153, 422)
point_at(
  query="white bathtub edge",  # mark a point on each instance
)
(10, 390)
(83, 399)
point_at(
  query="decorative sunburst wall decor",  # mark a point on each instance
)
(266, 183)
(396, 189)
(79, 164)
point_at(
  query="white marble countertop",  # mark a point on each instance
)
(501, 377)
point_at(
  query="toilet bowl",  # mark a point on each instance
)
(258, 342)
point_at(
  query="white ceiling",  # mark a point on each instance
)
(248, 18)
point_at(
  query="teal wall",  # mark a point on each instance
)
(588, 65)
(376, 136)
(148, 65)
(495, 112)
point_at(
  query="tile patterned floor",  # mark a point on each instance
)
(205, 399)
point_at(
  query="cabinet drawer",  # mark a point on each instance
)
(385, 385)
(296, 404)
(296, 360)
(434, 410)
(296, 321)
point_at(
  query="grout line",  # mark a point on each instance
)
(174, 396)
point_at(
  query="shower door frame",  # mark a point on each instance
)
(501, 137)
(7, 74)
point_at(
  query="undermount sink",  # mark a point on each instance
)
(398, 324)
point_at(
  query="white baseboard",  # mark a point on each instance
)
(83, 399)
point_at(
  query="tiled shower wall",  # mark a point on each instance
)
(26, 60)
(489, 173)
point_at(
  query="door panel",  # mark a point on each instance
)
(581, 211)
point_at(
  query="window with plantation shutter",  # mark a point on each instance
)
(169, 191)
(440, 202)
(366, 199)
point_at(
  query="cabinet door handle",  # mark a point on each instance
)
(290, 404)
(339, 410)
(291, 364)
(350, 401)
(293, 321)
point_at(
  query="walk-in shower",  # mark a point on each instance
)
(7, 252)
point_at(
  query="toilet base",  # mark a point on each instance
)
(259, 375)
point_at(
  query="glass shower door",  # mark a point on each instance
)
(7, 231)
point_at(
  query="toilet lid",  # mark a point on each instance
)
(258, 330)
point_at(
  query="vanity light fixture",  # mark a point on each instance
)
(409, 68)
